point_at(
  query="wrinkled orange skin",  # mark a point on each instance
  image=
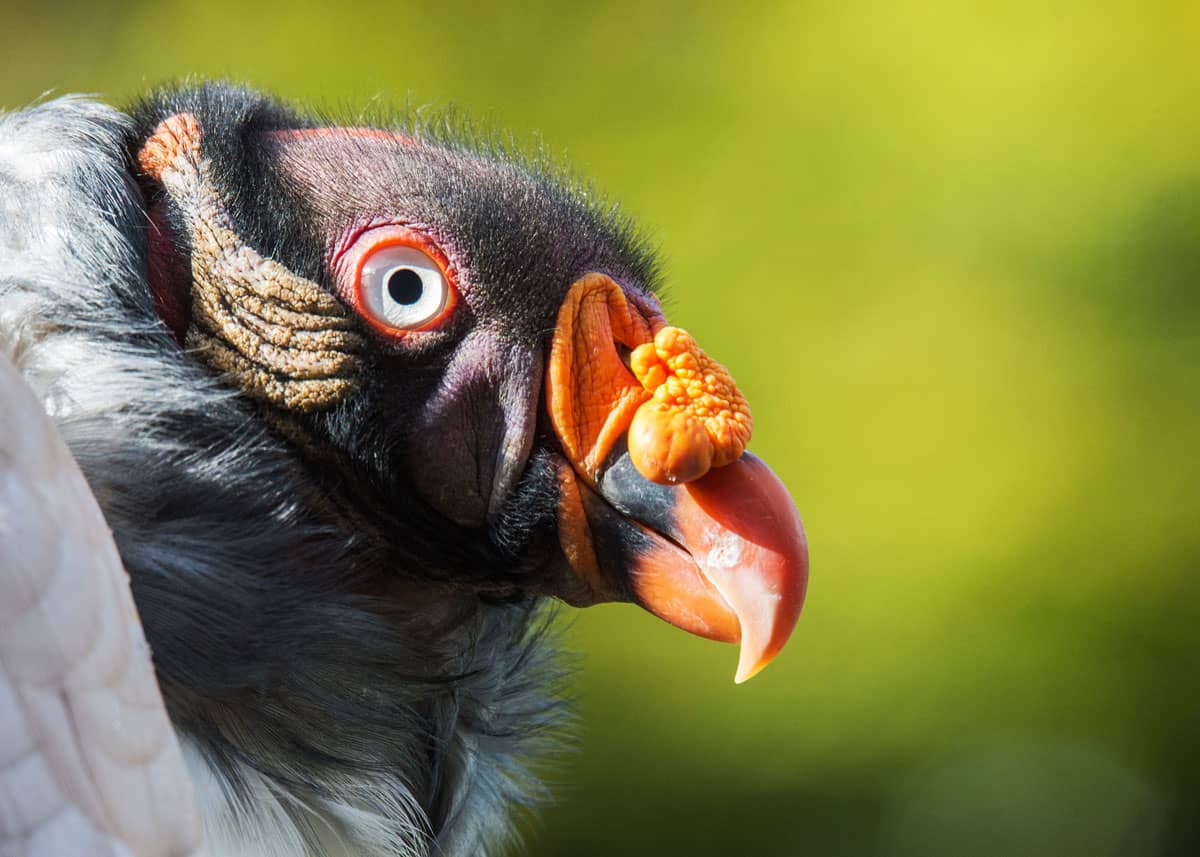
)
(590, 394)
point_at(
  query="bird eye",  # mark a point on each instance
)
(402, 287)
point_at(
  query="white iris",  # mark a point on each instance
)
(402, 287)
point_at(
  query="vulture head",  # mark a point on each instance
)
(354, 402)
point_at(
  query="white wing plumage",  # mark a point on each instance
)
(89, 763)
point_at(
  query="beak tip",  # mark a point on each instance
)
(753, 659)
(747, 671)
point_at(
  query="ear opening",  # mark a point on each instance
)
(173, 147)
(168, 271)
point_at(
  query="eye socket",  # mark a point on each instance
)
(401, 287)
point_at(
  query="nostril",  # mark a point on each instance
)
(624, 352)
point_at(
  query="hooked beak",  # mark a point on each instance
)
(659, 503)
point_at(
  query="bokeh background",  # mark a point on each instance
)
(952, 253)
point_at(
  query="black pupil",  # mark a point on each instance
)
(404, 286)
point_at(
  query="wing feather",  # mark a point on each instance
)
(89, 762)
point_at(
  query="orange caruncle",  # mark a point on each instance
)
(696, 418)
(682, 410)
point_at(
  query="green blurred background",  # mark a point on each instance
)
(952, 253)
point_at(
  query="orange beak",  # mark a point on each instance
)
(659, 503)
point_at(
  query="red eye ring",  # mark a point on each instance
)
(350, 263)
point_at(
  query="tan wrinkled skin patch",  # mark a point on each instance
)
(277, 336)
